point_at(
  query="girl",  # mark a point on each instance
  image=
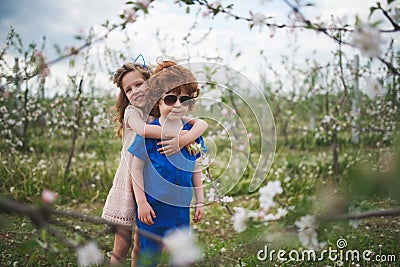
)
(163, 185)
(119, 207)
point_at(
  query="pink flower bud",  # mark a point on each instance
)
(48, 196)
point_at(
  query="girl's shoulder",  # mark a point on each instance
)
(133, 109)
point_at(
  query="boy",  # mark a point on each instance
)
(162, 184)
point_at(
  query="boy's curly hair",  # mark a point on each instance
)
(169, 77)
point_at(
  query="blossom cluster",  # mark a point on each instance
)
(264, 214)
(368, 40)
(307, 232)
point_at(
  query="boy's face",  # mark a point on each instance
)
(134, 91)
(171, 107)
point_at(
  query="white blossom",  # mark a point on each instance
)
(309, 239)
(89, 254)
(205, 160)
(327, 119)
(216, 4)
(182, 247)
(130, 15)
(368, 40)
(373, 88)
(226, 199)
(258, 19)
(355, 223)
(211, 98)
(307, 232)
(240, 219)
(281, 212)
(211, 195)
(268, 192)
(394, 11)
(144, 3)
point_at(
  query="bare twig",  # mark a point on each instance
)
(209, 176)
(307, 24)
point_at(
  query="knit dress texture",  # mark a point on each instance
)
(119, 207)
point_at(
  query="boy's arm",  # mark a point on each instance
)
(145, 211)
(185, 138)
(198, 192)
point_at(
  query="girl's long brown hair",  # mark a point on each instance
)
(122, 101)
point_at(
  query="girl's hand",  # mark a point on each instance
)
(198, 212)
(169, 147)
(173, 145)
(146, 213)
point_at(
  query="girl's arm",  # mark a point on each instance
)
(137, 124)
(185, 138)
(199, 127)
(198, 192)
(145, 211)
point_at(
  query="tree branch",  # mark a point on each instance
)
(368, 214)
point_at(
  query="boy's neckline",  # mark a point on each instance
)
(171, 122)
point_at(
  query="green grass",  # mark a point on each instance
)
(302, 173)
(222, 246)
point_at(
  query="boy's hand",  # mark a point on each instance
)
(198, 212)
(146, 213)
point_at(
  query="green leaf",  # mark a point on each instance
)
(357, 20)
(390, 1)
(376, 23)
(311, 26)
(187, 10)
(372, 10)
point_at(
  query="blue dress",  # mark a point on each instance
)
(168, 188)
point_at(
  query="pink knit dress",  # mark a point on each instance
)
(119, 207)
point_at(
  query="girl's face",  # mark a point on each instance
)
(134, 91)
(171, 107)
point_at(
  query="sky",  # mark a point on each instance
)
(60, 20)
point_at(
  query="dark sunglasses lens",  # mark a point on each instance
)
(169, 100)
(185, 100)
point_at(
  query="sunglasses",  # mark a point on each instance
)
(170, 100)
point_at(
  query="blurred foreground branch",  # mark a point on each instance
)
(368, 214)
(176, 242)
(40, 216)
